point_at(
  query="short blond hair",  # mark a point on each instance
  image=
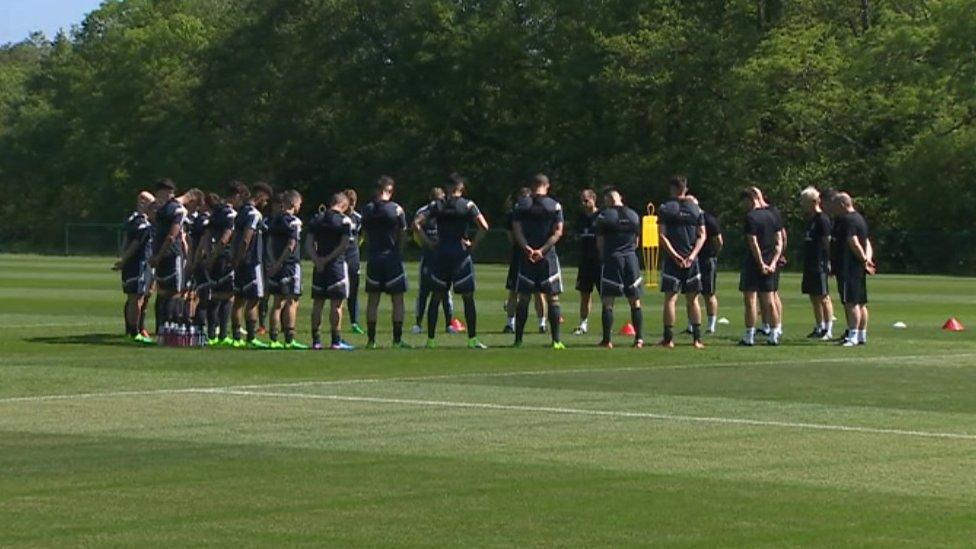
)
(811, 194)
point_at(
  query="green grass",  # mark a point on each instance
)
(806, 444)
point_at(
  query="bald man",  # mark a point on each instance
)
(856, 263)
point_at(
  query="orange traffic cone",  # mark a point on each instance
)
(628, 330)
(953, 325)
(458, 325)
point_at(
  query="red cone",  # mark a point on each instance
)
(953, 325)
(628, 330)
(458, 325)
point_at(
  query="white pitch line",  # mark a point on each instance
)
(408, 379)
(602, 413)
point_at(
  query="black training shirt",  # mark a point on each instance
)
(619, 227)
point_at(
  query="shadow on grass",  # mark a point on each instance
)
(101, 340)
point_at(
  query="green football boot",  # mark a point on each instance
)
(475, 343)
(296, 346)
(357, 329)
(276, 346)
(559, 346)
(371, 345)
(402, 345)
(431, 344)
(257, 344)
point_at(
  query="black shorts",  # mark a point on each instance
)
(709, 274)
(453, 271)
(677, 280)
(588, 275)
(331, 282)
(170, 274)
(137, 280)
(753, 280)
(385, 273)
(544, 277)
(513, 264)
(287, 281)
(815, 283)
(249, 282)
(621, 277)
(853, 288)
(221, 277)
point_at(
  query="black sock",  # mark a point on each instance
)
(273, 334)
(161, 310)
(397, 332)
(637, 319)
(289, 335)
(213, 314)
(371, 331)
(129, 329)
(696, 332)
(521, 317)
(250, 326)
(448, 305)
(471, 315)
(353, 301)
(422, 304)
(262, 312)
(225, 308)
(668, 334)
(432, 313)
(607, 318)
(554, 316)
(142, 317)
(200, 319)
(336, 337)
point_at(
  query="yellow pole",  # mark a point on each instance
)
(650, 242)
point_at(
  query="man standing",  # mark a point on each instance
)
(857, 262)
(618, 229)
(537, 227)
(588, 274)
(169, 251)
(219, 239)
(326, 243)
(285, 273)
(353, 262)
(248, 268)
(200, 286)
(816, 256)
(426, 234)
(385, 222)
(453, 266)
(765, 244)
(708, 262)
(682, 235)
(134, 265)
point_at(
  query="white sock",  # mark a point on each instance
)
(862, 336)
(852, 335)
(542, 322)
(829, 327)
(584, 323)
(750, 335)
(511, 322)
(765, 327)
(711, 323)
(778, 330)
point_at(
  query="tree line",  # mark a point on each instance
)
(874, 97)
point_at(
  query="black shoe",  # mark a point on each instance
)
(508, 330)
(817, 333)
(744, 343)
(772, 343)
(762, 331)
(542, 329)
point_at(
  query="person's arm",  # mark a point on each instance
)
(312, 250)
(482, 226)
(289, 249)
(777, 253)
(556, 235)
(717, 243)
(245, 244)
(130, 249)
(519, 235)
(418, 229)
(756, 252)
(666, 244)
(859, 251)
(336, 253)
(699, 244)
(219, 245)
(174, 231)
(600, 244)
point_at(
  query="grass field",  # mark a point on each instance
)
(103, 443)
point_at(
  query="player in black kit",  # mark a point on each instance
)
(816, 268)
(588, 274)
(285, 271)
(682, 234)
(618, 228)
(134, 266)
(385, 223)
(327, 243)
(765, 244)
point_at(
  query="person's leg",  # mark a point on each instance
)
(318, 305)
(470, 314)
(161, 309)
(432, 311)
(767, 301)
(131, 315)
(521, 316)
(816, 302)
(827, 313)
(510, 308)
(863, 317)
(584, 311)
(853, 313)
(749, 317)
(251, 313)
(143, 308)
(637, 319)
(237, 316)
(276, 317)
(423, 295)
(399, 312)
(606, 316)
(353, 301)
(668, 317)
(694, 317)
(711, 308)
(448, 305)
(335, 322)
(372, 308)
(263, 306)
(554, 313)
(540, 311)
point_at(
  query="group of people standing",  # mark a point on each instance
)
(213, 260)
